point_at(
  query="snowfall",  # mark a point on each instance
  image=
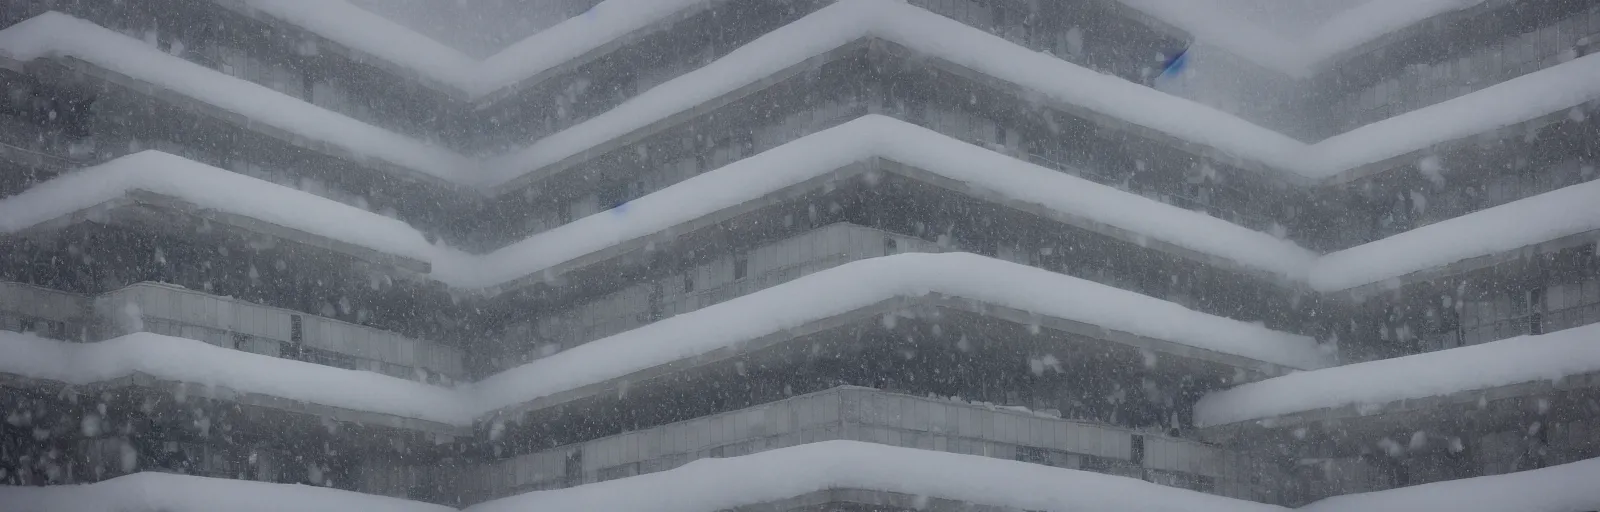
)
(725, 483)
(713, 484)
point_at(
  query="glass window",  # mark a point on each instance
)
(741, 266)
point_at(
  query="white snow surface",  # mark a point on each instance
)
(726, 483)
(215, 189)
(1565, 488)
(1507, 227)
(53, 35)
(1564, 86)
(862, 283)
(1551, 90)
(880, 136)
(165, 492)
(368, 32)
(1497, 363)
(1314, 50)
(849, 20)
(606, 22)
(1541, 218)
(814, 297)
(376, 35)
(1368, 22)
(197, 362)
(1567, 85)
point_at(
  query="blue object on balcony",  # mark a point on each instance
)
(1175, 64)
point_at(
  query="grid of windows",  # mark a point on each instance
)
(1531, 311)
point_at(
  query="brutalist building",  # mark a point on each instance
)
(925, 254)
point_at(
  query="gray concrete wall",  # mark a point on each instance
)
(874, 416)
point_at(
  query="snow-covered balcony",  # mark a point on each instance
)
(148, 402)
(945, 424)
(157, 217)
(144, 98)
(951, 324)
(1509, 405)
(881, 172)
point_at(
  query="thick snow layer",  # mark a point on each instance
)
(604, 23)
(866, 282)
(926, 32)
(1536, 94)
(196, 362)
(166, 492)
(1217, 22)
(214, 189)
(1369, 21)
(52, 35)
(373, 34)
(1551, 90)
(1498, 363)
(1541, 218)
(818, 296)
(727, 483)
(1565, 488)
(879, 136)
(362, 30)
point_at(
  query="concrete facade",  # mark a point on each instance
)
(152, 263)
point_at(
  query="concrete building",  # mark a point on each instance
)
(295, 242)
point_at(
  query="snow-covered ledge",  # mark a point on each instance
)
(862, 283)
(1565, 488)
(726, 483)
(1374, 384)
(1504, 229)
(184, 493)
(822, 295)
(186, 361)
(876, 136)
(215, 189)
(56, 35)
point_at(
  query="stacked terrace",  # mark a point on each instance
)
(708, 231)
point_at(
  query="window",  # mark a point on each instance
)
(1536, 311)
(1033, 455)
(741, 266)
(574, 467)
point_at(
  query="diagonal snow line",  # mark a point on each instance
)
(1564, 86)
(1563, 212)
(1301, 58)
(1509, 361)
(848, 20)
(171, 492)
(1560, 488)
(785, 473)
(196, 362)
(53, 35)
(825, 294)
(865, 138)
(859, 284)
(373, 34)
(1552, 90)
(214, 189)
(1553, 215)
